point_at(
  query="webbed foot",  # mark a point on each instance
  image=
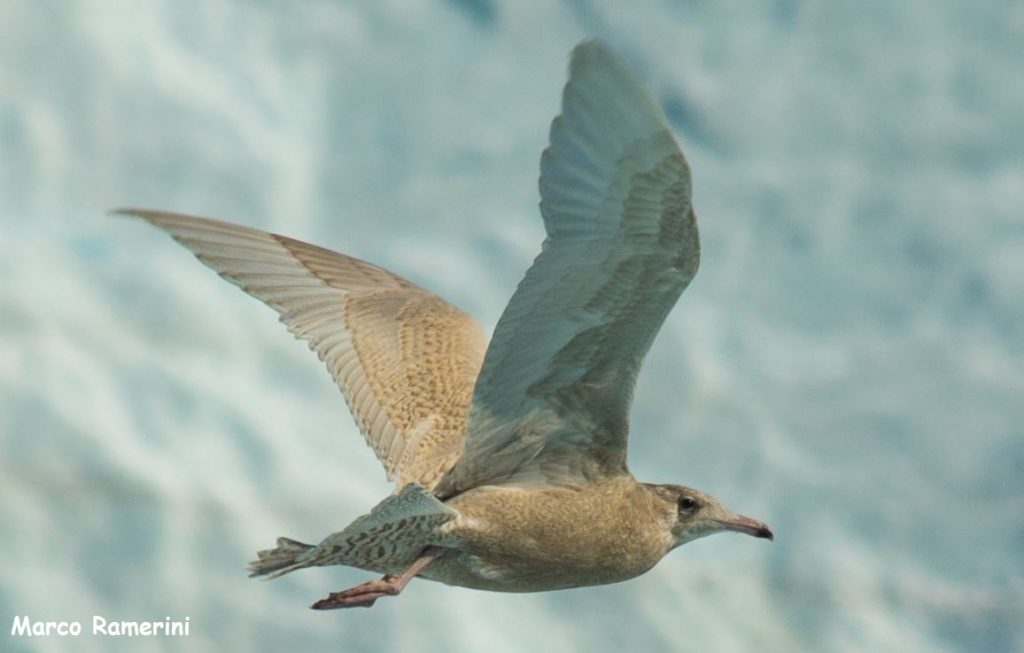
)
(366, 594)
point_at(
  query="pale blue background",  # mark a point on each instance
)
(848, 364)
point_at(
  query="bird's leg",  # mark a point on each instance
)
(363, 596)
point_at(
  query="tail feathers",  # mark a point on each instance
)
(386, 540)
(390, 537)
(281, 560)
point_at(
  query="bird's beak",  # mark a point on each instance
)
(742, 524)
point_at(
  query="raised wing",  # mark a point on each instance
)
(405, 359)
(552, 401)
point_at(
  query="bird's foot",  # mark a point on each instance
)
(365, 595)
(361, 596)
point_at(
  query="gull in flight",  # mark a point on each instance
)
(508, 458)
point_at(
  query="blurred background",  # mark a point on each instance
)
(848, 365)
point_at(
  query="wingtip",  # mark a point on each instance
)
(589, 44)
(588, 50)
(153, 216)
(127, 212)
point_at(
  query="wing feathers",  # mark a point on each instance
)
(551, 401)
(377, 333)
(553, 396)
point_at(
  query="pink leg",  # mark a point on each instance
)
(363, 596)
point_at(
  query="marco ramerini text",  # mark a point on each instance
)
(24, 626)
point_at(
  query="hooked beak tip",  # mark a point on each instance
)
(751, 527)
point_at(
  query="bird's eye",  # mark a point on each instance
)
(688, 504)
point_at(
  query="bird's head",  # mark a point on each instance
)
(693, 514)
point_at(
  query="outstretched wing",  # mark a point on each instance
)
(405, 359)
(553, 397)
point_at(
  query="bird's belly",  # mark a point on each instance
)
(520, 541)
(507, 574)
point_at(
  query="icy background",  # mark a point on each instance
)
(848, 364)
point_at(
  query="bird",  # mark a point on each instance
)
(507, 456)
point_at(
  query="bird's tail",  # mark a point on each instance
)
(387, 539)
(281, 560)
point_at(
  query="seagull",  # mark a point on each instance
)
(508, 458)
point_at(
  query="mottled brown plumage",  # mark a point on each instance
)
(509, 461)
